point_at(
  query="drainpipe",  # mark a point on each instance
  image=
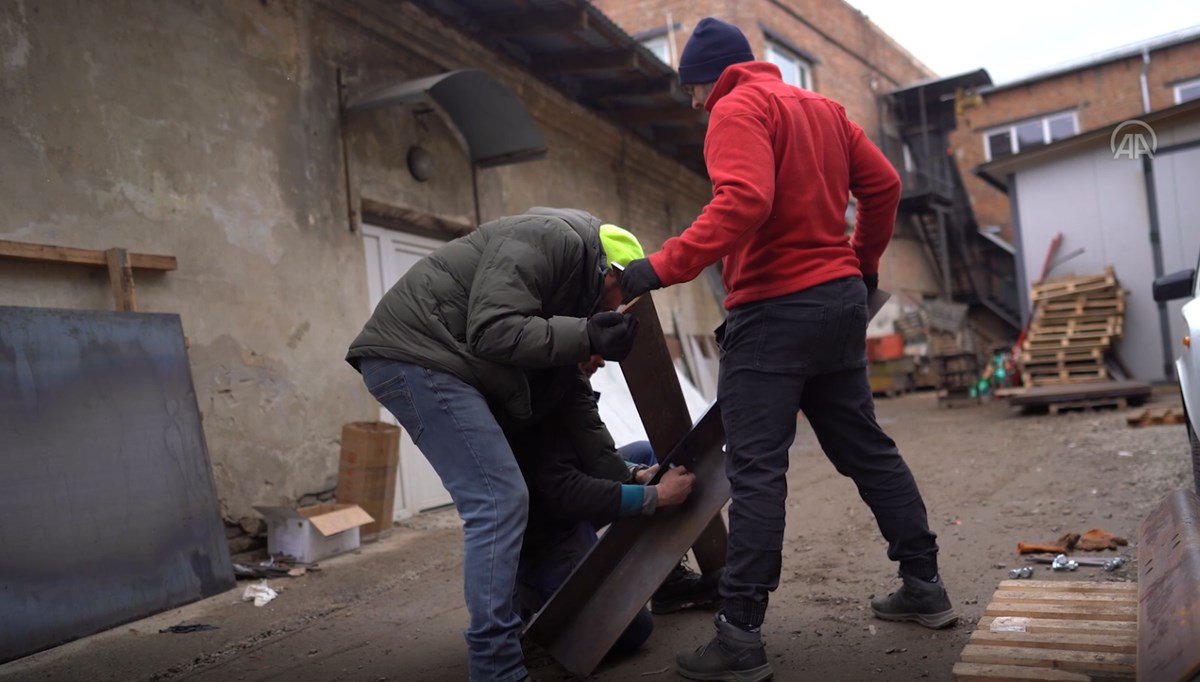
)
(1142, 78)
(670, 39)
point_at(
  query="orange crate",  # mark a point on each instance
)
(890, 347)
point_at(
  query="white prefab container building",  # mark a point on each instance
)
(1126, 195)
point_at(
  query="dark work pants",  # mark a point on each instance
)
(805, 352)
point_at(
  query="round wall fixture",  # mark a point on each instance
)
(420, 163)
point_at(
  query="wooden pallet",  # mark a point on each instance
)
(1092, 305)
(1148, 417)
(1105, 288)
(1056, 355)
(1047, 377)
(1073, 285)
(1096, 404)
(1068, 631)
(1101, 342)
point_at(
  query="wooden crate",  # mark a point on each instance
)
(1068, 631)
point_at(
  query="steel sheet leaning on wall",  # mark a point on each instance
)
(108, 511)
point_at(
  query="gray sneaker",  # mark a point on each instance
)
(919, 601)
(735, 655)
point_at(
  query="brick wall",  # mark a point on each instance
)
(856, 61)
(1102, 95)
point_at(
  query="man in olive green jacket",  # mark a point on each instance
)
(469, 347)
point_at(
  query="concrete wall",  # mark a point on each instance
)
(1102, 95)
(1099, 204)
(210, 131)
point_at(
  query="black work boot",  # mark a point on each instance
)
(917, 600)
(684, 589)
(734, 654)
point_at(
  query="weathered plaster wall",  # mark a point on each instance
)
(201, 130)
(210, 131)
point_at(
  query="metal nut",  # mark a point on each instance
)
(1062, 563)
(1019, 573)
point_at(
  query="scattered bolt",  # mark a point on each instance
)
(1025, 572)
(1062, 563)
(1114, 563)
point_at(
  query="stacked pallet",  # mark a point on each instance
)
(1071, 631)
(1076, 321)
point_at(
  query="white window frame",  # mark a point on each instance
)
(658, 44)
(1011, 129)
(802, 68)
(1188, 84)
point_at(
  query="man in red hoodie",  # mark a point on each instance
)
(783, 163)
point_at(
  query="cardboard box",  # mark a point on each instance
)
(367, 473)
(313, 533)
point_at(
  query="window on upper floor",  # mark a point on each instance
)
(1025, 135)
(661, 48)
(1187, 91)
(795, 69)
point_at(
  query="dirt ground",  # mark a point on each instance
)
(990, 477)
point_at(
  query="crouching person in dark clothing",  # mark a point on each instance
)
(567, 505)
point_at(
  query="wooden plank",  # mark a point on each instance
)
(990, 672)
(1118, 611)
(1148, 417)
(1079, 598)
(120, 276)
(1048, 394)
(1082, 661)
(1106, 403)
(1068, 626)
(1125, 643)
(1068, 586)
(49, 253)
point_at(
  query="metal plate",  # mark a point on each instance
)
(583, 619)
(108, 512)
(650, 375)
(601, 597)
(1169, 590)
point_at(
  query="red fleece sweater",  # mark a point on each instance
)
(783, 162)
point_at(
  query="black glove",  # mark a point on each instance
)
(637, 278)
(872, 282)
(611, 335)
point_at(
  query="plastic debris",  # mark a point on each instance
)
(261, 593)
(1009, 624)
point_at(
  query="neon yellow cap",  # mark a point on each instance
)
(620, 246)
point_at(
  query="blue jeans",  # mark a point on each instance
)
(805, 352)
(451, 424)
(638, 452)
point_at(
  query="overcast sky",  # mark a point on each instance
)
(1015, 38)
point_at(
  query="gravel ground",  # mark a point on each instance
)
(990, 477)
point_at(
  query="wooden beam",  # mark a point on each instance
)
(689, 135)
(578, 62)
(49, 253)
(120, 275)
(398, 217)
(630, 87)
(679, 114)
(536, 23)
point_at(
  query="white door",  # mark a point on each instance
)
(389, 255)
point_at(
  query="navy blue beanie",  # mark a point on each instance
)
(713, 46)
